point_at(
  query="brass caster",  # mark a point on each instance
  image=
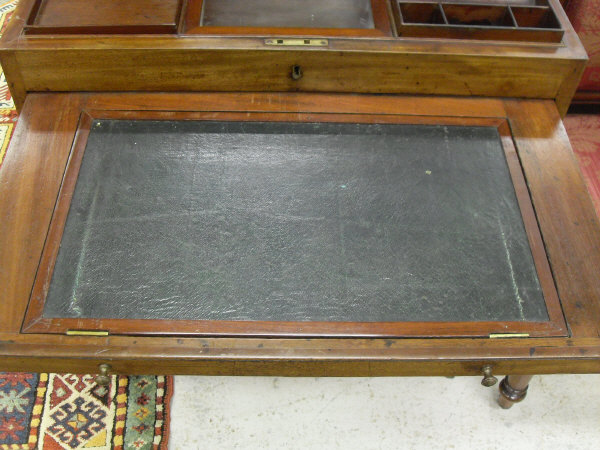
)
(488, 379)
(103, 378)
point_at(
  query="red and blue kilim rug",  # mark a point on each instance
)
(66, 411)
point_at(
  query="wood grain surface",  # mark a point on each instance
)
(383, 64)
(564, 210)
(568, 225)
(107, 16)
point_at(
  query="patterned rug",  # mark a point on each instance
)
(66, 411)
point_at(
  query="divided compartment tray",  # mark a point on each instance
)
(536, 21)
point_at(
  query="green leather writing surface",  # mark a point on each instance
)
(294, 222)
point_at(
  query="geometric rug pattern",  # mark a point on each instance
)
(66, 411)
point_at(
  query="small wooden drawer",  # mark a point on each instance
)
(536, 22)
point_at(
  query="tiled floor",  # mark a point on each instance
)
(561, 412)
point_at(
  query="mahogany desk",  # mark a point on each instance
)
(388, 192)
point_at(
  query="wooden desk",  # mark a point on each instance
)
(57, 129)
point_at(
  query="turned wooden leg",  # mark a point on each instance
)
(513, 389)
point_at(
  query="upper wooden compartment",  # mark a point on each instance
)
(106, 16)
(292, 17)
(518, 48)
(533, 21)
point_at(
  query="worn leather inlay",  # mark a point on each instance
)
(294, 222)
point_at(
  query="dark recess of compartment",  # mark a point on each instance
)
(528, 17)
(534, 22)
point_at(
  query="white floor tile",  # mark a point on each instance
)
(560, 412)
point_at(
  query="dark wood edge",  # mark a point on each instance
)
(35, 8)
(59, 217)
(298, 357)
(109, 29)
(31, 27)
(282, 31)
(298, 102)
(286, 116)
(551, 36)
(183, 16)
(407, 349)
(396, 17)
(179, 15)
(217, 328)
(381, 17)
(536, 243)
(381, 21)
(192, 16)
(309, 366)
(35, 323)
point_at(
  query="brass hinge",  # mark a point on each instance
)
(508, 335)
(87, 333)
(298, 42)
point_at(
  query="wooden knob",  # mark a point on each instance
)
(488, 379)
(103, 378)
